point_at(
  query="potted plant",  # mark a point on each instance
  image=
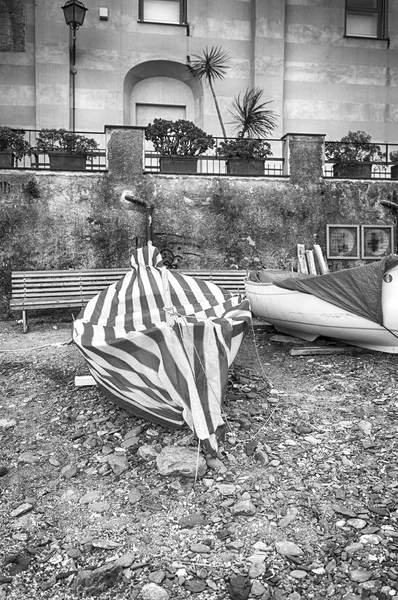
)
(246, 154)
(13, 145)
(66, 150)
(353, 156)
(178, 143)
(394, 167)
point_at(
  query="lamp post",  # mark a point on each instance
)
(74, 13)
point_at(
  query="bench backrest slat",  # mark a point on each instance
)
(32, 288)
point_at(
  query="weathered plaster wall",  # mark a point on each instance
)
(53, 221)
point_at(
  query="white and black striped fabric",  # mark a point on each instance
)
(160, 344)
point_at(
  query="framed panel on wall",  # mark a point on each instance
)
(377, 241)
(342, 242)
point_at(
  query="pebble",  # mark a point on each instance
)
(7, 423)
(288, 518)
(147, 452)
(257, 569)
(99, 507)
(353, 548)
(200, 549)
(134, 495)
(180, 461)
(3, 470)
(118, 463)
(89, 497)
(195, 586)
(153, 591)
(226, 489)
(257, 589)
(360, 575)
(22, 509)
(29, 458)
(68, 471)
(126, 560)
(190, 521)
(287, 548)
(356, 523)
(157, 576)
(370, 538)
(245, 508)
(298, 574)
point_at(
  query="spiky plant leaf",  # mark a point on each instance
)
(251, 118)
(210, 65)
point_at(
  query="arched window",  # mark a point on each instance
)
(161, 89)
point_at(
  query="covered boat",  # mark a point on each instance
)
(358, 306)
(160, 343)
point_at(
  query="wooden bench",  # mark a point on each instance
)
(74, 288)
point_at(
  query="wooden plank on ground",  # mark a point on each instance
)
(309, 256)
(301, 262)
(84, 380)
(322, 264)
(308, 350)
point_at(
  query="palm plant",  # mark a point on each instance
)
(209, 66)
(250, 115)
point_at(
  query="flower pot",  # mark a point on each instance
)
(178, 164)
(394, 171)
(358, 171)
(62, 161)
(245, 166)
(6, 159)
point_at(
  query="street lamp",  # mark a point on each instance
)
(74, 13)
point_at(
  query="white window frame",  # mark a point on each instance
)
(182, 4)
(380, 12)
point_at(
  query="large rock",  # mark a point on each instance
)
(175, 460)
(102, 578)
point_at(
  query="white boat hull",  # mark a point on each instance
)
(308, 317)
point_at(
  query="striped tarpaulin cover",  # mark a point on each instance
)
(160, 344)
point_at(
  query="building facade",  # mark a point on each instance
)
(329, 66)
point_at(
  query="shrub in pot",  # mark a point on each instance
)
(252, 119)
(245, 155)
(178, 143)
(353, 155)
(13, 145)
(66, 150)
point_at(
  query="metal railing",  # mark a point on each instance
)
(96, 161)
(211, 163)
(374, 158)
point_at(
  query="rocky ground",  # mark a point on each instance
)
(301, 502)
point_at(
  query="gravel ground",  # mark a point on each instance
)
(300, 503)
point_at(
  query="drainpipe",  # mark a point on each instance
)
(128, 196)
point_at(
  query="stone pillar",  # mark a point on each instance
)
(125, 151)
(305, 156)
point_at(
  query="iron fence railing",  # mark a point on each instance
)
(211, 163)
(96, 161)
(375, 158)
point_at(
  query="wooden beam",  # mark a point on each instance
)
(322, 264)
(309, 256)
(308, 350)
(301, 262)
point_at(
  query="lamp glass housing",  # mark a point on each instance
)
(74, 13)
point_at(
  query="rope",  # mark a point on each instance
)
(267, 379)
(56, 345)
